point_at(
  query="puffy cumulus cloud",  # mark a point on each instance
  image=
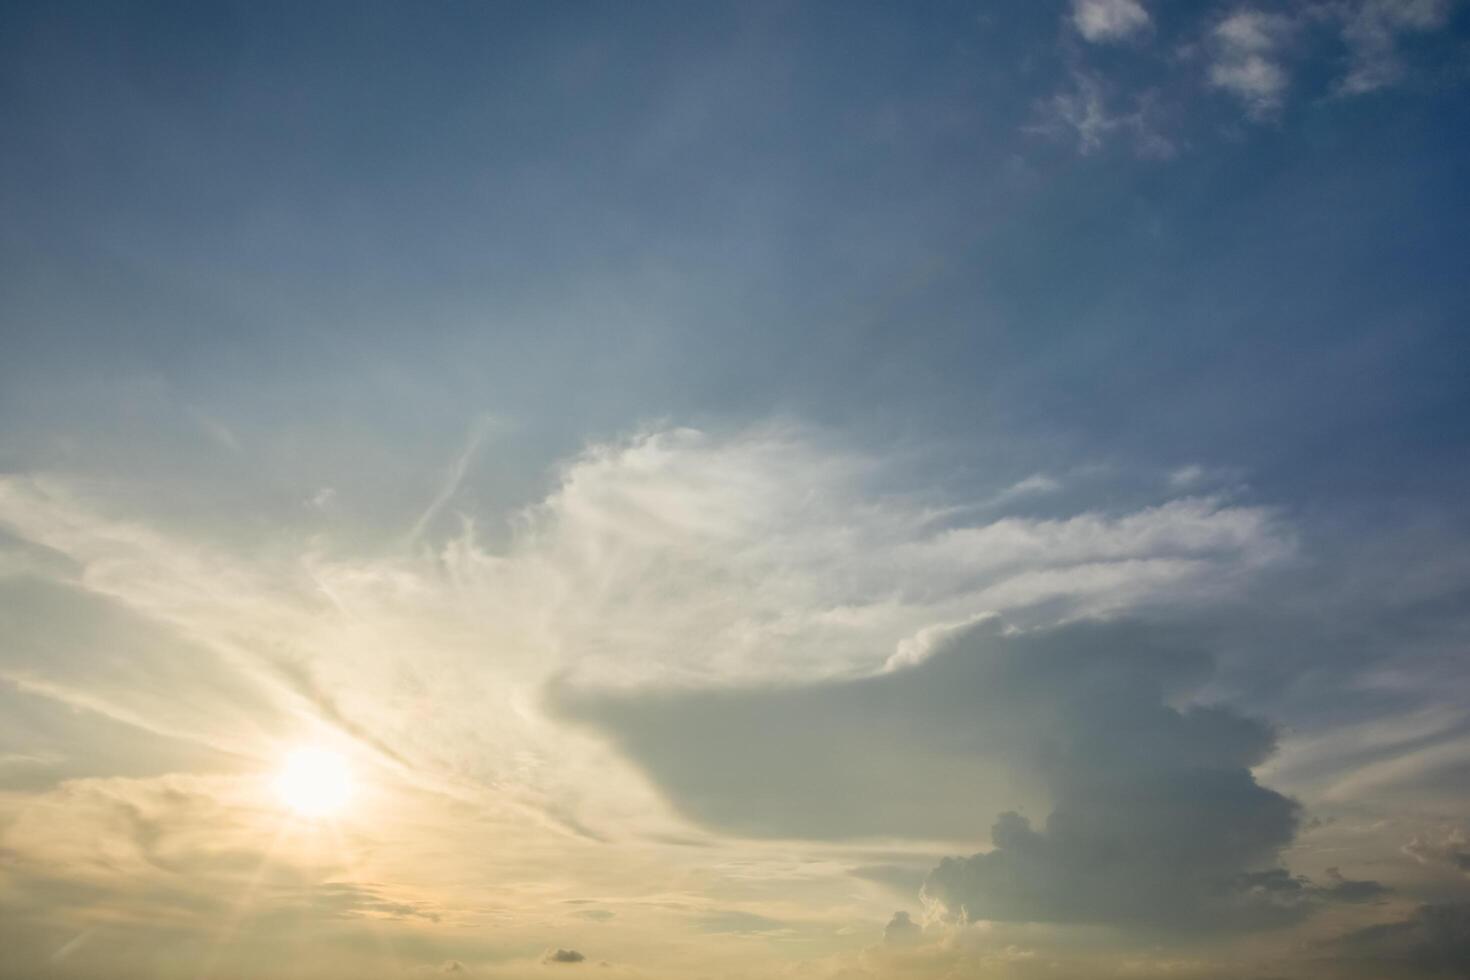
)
(902, 930)
(562, 956)
(1252, 51)
(1251, 44)
(1108, 871)
(981, 719)
(1247, 48)
(1109, 20)
(1156, 822)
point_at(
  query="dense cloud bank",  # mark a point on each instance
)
(1155, 819)
(975, 722)
(1434, 939)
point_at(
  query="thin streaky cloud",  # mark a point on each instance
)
(455, 476)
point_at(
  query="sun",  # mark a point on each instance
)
(314, 782)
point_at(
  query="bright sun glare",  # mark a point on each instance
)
(314, 782)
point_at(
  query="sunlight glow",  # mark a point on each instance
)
(314, 782)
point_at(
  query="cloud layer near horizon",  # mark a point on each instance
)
(1153, 819)
(776, 639)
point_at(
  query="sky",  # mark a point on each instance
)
(802, 490)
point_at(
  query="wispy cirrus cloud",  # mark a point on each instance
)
(1372, 31)
(671, 557)
(1083, 112)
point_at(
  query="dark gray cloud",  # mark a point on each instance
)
(1169, 861)
(1341, 889)
(1435, 939)
(563, 956)
(1167, 851)
(1155, 821)
(980, 726)
(902, 930)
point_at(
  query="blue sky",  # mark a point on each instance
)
(593, 360)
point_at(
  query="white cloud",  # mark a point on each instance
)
(1247, 63)
(1102, 21)
(1037, 484)
(1371, 30)
(671, 557)
(1187, 476)
(1082, 111)
(1449, 848)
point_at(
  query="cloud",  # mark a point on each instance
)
(1035, 485)
(1353, 892)
(157, 853)
(367, 901)
(737, 922)
(670, 554)
(1451, 849)
(1155, 821)
(902, 930)
(1434, 939)
(453, 478)
(901, 878)
(1250, 51)
(1371, 30)
(1247, 46)
(682, 555)
(1081, 112)
(1187, 476)
(562, 956)
(986, 721)
(669, 559)
(1102, 21)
